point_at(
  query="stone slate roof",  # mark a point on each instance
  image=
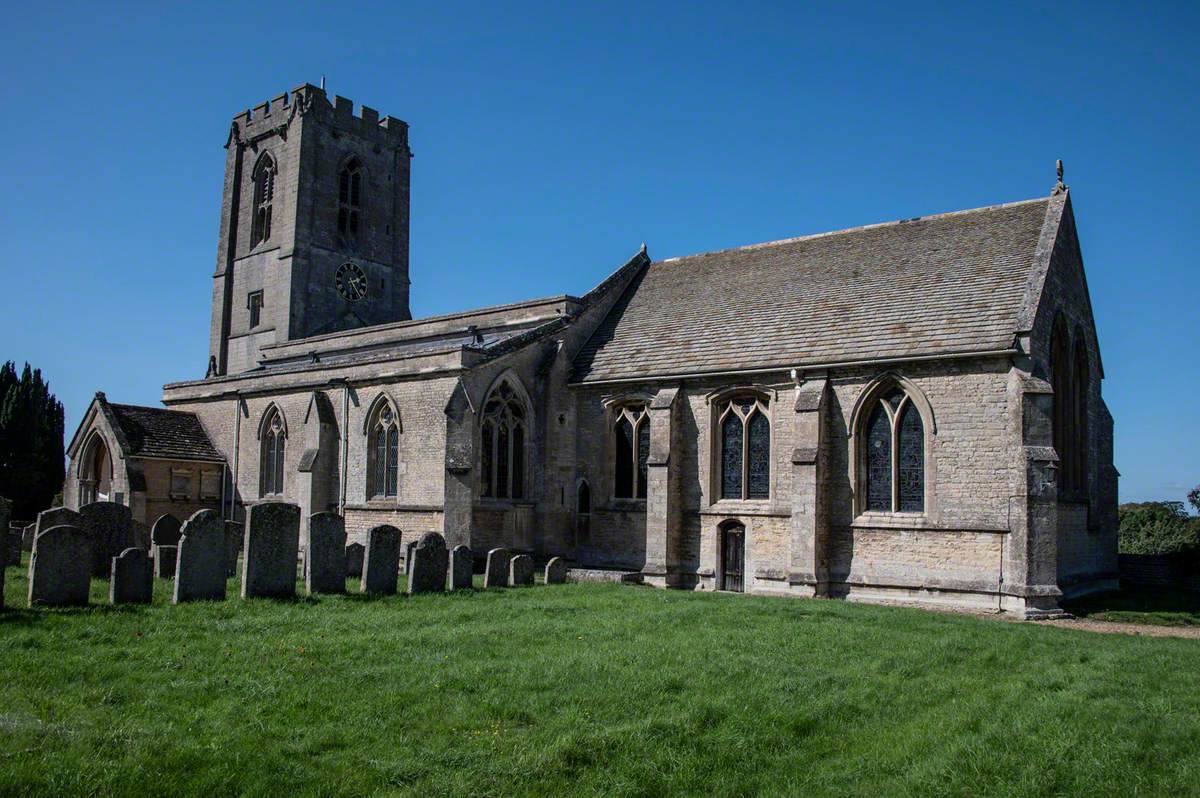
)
(952, 283)
(158, 432)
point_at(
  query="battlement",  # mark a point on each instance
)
(307, 98)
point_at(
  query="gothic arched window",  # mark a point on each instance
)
(1081, 388)
(274, 438)
(1064, 404)
(893, 463)
(503, 432)
(744, 432)
(264, 196)
(631, 435)
(383, 451)
(350, 180)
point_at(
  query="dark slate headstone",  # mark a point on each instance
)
(354, 560)
(325, 554)
(272, 546)
(496, 572)
(381, 560)
(235, 533)
(520, 572)
(14, 546)
(164, 561)
(60, 569)
(131, 581)
(56, 516)
(165, 531)
(111, 527)
(28, 536)
(200, 562)
(556, 571)
(408, 553)
(462, 567)
(427, 566)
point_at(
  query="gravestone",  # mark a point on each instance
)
(496, 572)
(200, 562)
(556, 571)
(164, 534)
(56, 516)
(462, 567)
(408, 553)
(131, 581)
(28, 536)
(60, 569)
(427, 566)
(325, 554)
(111, 527)
(234, 534)
(271, 549)
(164, 561)
(381, 560)
(354, 560)
(520, 571)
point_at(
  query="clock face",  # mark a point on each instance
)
(350, 281)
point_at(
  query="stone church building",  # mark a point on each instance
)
(903, 411)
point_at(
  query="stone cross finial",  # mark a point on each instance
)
(1060, 186)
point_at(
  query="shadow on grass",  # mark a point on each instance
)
(1147, 605)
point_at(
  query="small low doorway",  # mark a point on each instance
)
(733, 557)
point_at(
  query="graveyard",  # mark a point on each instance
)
(572, 689)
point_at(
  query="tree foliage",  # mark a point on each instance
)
(1194, 498)
(1157, 528)
(31, 441)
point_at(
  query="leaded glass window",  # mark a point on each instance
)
(745, 449)
(502, 445)
(631, 449)
(893, 462)
(384, 468)
(273, 444)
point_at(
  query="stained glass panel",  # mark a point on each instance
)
(623, 451)
(732, 435)
(487, 446)
(911, 452)
(393, 459)
(502, 452)
(895, 398)
(759, 467)
(643, 455)
(518, 472)
(380, 469)
(879, 461)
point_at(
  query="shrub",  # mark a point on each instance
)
(1157, 528)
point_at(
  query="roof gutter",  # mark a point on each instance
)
(878, 361)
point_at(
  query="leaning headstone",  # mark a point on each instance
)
(131, 581)
(520, 573)
(200, 561)
(354, 560)
(272, 545)
(165, 531)
(496, 572)
(462, 567)
(60, 569)
(111, 527)
(381, 560)
(164, 561)
(325, 554)
(234, 535)
(28, 536)
(428, 564)
(408, 554)
(556, 571)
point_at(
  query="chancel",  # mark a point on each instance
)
(903, 411)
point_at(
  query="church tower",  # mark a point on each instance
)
(314, 225)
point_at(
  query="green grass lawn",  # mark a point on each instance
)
(587, 689)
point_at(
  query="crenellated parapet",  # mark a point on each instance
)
(275, 116)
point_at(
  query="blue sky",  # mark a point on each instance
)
(551, 140)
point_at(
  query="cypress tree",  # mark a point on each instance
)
(31, 441)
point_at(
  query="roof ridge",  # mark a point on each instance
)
(859, 228)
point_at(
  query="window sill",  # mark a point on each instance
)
(489, 503)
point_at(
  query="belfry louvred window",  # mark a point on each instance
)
(264, 198)
(631, 432)
(384, 453)
(744, 431)
(350, 180)
(893, 462)
(503, 432)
